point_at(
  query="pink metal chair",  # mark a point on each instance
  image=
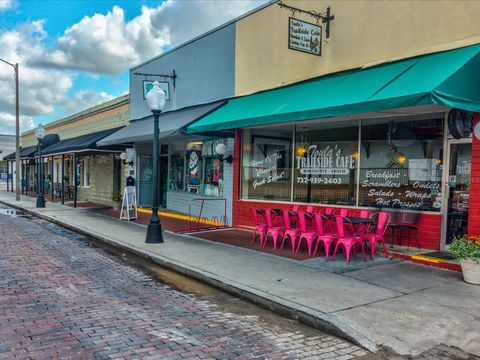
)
(348, 241)
(310, 209)
(343, 212)
(328, 211)
(323, 238)
(260, 228)
(275, 231)
(291, 232)
(364, 214)
(306, 235)
(382, 220)
(295, 208)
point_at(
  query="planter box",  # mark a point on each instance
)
(116, 205)
(471, 271)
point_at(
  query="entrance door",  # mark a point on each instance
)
(457, 188)
(163, 183)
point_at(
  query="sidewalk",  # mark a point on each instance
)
(401, 306)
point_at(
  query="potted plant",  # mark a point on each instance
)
(467, 250)
(116, 201)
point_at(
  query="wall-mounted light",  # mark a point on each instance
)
(221, 150)
(124, 157)
(300, 151)
(400, 159)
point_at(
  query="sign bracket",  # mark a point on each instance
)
(327, 17)
(165, 76)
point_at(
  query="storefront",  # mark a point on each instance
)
(381, 138)
(194, 177)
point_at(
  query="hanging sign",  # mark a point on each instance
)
(305, 37)
(147, 86)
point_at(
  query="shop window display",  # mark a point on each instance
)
(401, 164)
(266, 163)
(325, 165)
(194, 167)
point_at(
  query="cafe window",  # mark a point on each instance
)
(325, 164)
(267, 163)
(401, 164)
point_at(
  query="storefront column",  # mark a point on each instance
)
(8, 165)
(237, 158)
(474, 204)
(75, 180)
(52, 187)
(63, 179)
(12, 172)
(27, 174)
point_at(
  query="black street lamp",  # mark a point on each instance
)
(40, 132)
(156, 102)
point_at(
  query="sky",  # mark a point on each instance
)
(74, 54)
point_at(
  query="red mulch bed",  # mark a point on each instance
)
(241, 238)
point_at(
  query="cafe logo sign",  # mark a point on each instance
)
(325, 161)
(305, 37)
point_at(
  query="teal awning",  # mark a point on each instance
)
(449, 78)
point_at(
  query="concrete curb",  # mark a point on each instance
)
(292, 310)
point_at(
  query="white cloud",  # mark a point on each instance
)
(99, 44)
(187, 19)
(85, 99)
(5, 4)
(108, 44)
(7, 123)
(41, 90)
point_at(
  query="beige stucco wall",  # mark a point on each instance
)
(105, 116)
(363, 32)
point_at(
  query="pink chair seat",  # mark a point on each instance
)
(260, 228)
(383, 219)
(292, 235)
(276, 232)
(306, 235)
(348, 241)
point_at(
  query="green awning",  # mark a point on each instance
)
(449, 78)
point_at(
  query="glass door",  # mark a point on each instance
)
(457, 188)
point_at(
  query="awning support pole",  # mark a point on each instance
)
(63, 179)
(27, 174)
(51, 179)
(8, 167)
(23, 177)
(74, 180)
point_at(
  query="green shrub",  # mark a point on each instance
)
(466, 248)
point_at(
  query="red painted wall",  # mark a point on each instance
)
(474, 204)
(428, 225)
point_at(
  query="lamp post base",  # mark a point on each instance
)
(154, 233)
(40, 202)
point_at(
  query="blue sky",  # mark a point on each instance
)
(74, 54)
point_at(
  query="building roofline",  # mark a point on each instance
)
(228, 23)
(118, 101)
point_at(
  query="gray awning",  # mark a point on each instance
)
(172, 125)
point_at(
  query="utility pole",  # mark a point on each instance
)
(17, 131)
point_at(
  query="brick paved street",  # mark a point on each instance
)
(63, 298)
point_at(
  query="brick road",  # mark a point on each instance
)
(61, 298)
